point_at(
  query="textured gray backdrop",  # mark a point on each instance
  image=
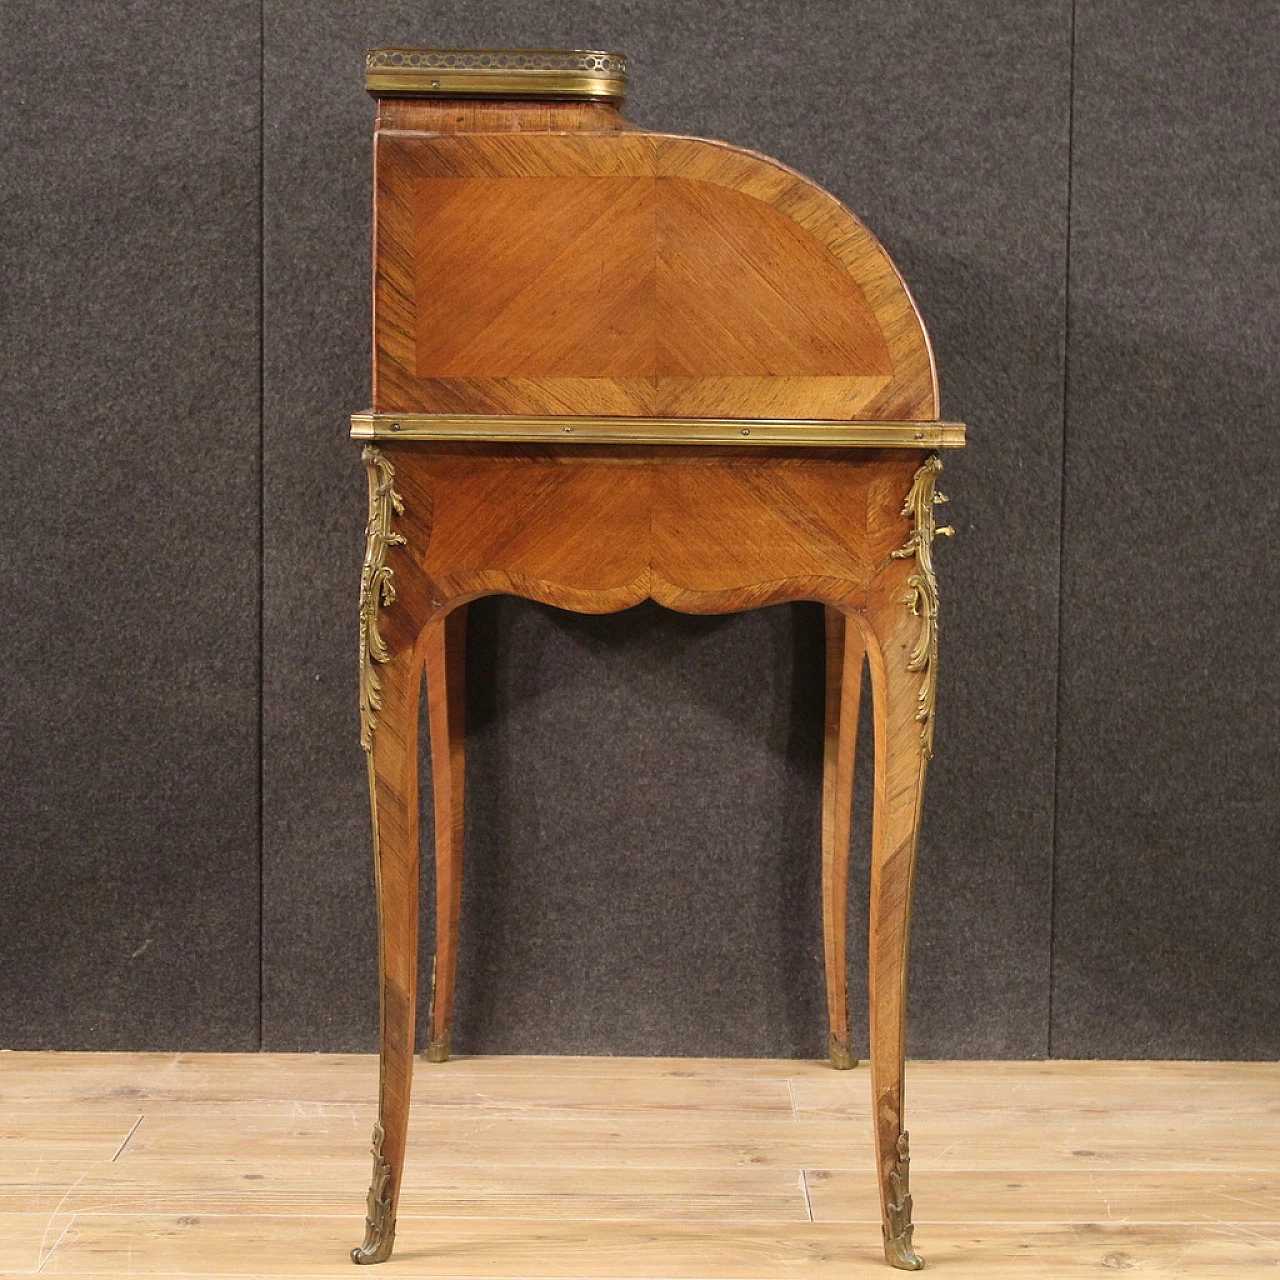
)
(1082, 199)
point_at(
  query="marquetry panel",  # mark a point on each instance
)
(599, 528)
(629, 274)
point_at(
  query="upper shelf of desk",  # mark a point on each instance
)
(539, 259)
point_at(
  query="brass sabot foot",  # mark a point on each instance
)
(438, 1049)
(899, 1253)
(379, 1223)
(376, 1248)
(898, 1229)
(841, 1058)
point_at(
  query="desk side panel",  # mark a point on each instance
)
(630, 274)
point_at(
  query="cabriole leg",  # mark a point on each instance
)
(900, 770)
(393, 788)
(845, 655)
(390, 682)
(904, 672)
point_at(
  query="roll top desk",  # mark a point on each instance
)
(612, 365)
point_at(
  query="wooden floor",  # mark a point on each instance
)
(211, 1165)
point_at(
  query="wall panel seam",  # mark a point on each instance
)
(262, 508)
(1062, 539)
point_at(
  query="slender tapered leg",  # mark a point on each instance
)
(393, 789)
(390, 684)
(899, 767)
(446, 704)
(903, 612)
(845, 656)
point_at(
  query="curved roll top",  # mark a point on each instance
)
(527, 271)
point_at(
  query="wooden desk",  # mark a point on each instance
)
(611, 366)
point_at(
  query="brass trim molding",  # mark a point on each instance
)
(806, 432)
(379, 1226)
(496, 73)
(898, 1249)
(922, 589)
(377, 584)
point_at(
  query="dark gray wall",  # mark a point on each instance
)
(1083, 211)
(1168, 880)
(129, 758)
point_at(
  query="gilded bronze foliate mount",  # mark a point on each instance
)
(922, 589)
(377, 583)
(898, 1248)
(379, 1226)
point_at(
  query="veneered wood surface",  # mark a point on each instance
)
(446, 705)
(617, 277)
(597, 529)
(899, 787)
(846, 657)
(393, 792)
(569, 266)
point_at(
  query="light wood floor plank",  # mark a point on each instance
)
(26, 1239)
(301, 1188)
(63, 1135)
(132, 1077)
(26, 1077)
(992, 1141)
(1168, 1089)
(659, 1095)
(255, 1187)
(38, 1186)
(1067, 1196)
(156, 1077)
